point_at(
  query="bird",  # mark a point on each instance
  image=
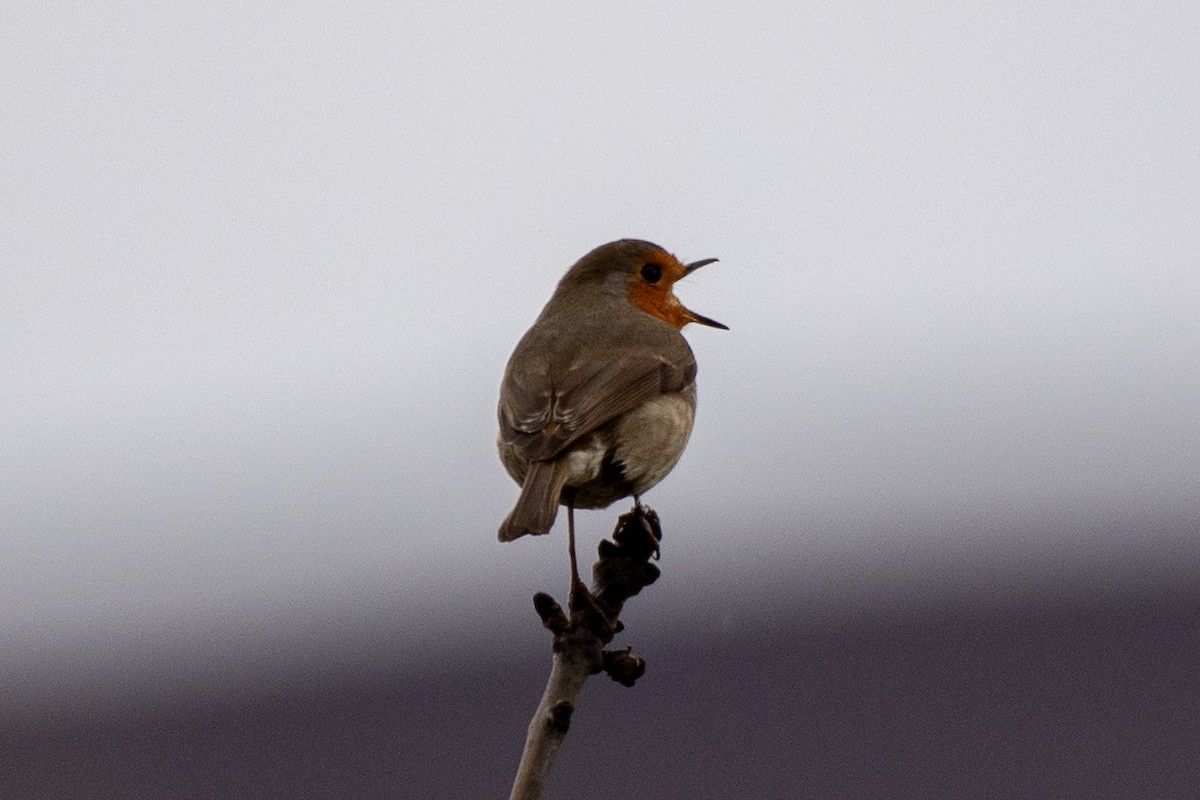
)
(598, 398)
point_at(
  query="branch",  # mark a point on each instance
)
(622, 570)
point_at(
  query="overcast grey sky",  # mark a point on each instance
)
(263, 269)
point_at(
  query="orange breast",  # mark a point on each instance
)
(658, 301)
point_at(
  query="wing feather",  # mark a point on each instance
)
(543, 410)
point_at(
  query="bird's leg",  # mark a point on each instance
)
(581, 597)
(652, 528)
(577, 585)
(579, 591)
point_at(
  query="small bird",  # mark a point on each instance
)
(598, 397)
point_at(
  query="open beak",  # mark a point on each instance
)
(712, 323)
(692, 316)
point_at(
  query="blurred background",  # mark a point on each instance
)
(936, 530)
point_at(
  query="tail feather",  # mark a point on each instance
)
(537, 506)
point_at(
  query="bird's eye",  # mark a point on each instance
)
(651, 272)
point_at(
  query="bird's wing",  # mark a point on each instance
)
(543, 410)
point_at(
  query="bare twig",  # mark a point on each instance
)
(622, 570)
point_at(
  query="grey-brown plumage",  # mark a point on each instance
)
(598, 397)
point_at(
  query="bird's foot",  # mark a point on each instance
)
(646, 519)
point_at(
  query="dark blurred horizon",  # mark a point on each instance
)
(749, 578)
(1088, 696)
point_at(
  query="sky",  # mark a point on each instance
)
(264, 266)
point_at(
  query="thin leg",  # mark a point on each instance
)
(581, 596)
(575, 582)
(579, 589)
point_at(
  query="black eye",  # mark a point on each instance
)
(651, 272)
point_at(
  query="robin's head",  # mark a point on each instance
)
(649, 274)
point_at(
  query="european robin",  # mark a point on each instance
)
(598, 397)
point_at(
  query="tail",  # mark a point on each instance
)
(538, 504)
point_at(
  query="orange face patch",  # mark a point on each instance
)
(650, 289)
